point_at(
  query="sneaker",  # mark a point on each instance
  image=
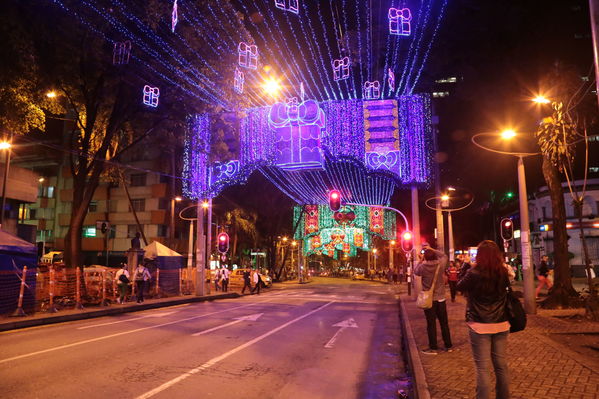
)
(429, 351)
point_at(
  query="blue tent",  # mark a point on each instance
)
(14, 254)
(169, 262)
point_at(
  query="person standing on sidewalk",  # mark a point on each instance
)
(485, 286)
(122, 278)
(452, 278)
(543, 276)
(432, 262)
(224, 275)
(141, 276)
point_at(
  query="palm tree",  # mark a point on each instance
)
(242, 222)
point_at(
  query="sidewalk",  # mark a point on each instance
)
(42, 318)
(540, 367)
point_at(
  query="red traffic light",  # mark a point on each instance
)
(407, 242)
(507, 229)
(334, 200)
(223, 243)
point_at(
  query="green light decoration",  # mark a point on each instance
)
(325, 232)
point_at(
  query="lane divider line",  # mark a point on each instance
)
(87, 341)
(154, 314)
(217, 359)
(237, 320)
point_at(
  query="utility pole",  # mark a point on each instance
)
(200, 260)
(594, 11)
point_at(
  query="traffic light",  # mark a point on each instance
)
(507, 229)
(334, 200)
(407, 241)
(104, 228)
(223, 243)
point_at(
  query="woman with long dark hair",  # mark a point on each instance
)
(485, 286)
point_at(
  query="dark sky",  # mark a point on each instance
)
(499, 51)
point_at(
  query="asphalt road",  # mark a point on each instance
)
(327, 339)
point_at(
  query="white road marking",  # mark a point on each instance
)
(217, 359)
(252, 317)
(161, 314)
(349, 323)
(87, 341)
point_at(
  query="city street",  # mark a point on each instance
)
(332, 338)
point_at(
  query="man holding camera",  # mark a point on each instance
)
(434, 262)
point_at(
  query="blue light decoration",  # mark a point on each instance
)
(298, 130)
(151, 95)
(341, 68)
(382, 136)
(121, 52)
(174, 16)
(248, 55)
(400, 21)
(372, 90)
(292, 5)
(391, 80)
(239, 81)
(302, 92)
(222, 172)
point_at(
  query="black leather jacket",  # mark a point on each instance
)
(483, 306)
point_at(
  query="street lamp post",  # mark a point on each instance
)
(391, 245)
(528, 275)
(172, 227)
(5, 145)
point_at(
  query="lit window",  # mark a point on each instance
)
(439, 94)
(89, 231)
(93, 206)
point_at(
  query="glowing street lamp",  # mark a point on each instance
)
(272, 87)
(508, 134)
(51, 94)
(6, 146)
(205, 204)
(541, 99)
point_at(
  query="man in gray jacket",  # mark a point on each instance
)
(432, 261)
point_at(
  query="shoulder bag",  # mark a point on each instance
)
(425, 298)
(515, 312)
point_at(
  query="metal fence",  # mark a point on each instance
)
(51, 289)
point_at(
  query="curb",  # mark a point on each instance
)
(15, 325)
(420, 385)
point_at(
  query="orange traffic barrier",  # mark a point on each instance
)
(104, 301)
(19, 311)
(78, 304)
(51, 307)
(157, 290)
(114, 289)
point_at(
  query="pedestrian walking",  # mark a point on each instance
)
(257, 281)
(122, 277)
(466, 265)
(217, 280)
(247, 283)
(141, 276)
(543, 276)
(485, 286)
(224, 278)
(452, 279)
(434, 262)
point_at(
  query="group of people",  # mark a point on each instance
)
(485, 285)
(251, 276)
(221, 279)
(141, 277)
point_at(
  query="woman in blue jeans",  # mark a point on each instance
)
(485, 286)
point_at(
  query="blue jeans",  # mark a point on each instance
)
(487, 348)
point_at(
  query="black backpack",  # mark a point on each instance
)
(123, 279)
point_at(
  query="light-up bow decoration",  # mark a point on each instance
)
(388, 160)
(399, 21)
(174, 16)
(391, 80)
(372, 90)
(341, 68)
(248, 55)
(121, 53)
(292, 5)
(223, 170)
(298, 131)
(151, 95)
(239, 81)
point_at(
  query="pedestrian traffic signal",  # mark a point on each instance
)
(334, 200)
(407, 241)
(507, 229)
(223, 243)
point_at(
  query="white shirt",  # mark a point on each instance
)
(118, 274)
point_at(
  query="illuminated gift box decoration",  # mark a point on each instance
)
(381, 127)
(298, 130)
(150, 96)
(288, 5)
(248, 55)
(400, 21)
(341, 68)
(121, 53)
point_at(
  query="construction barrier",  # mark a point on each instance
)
(54, 288)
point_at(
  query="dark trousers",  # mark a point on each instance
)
(452, 290)
(438, 311)
(225, 284)
(140, 290)
(246, 284)
(257, 287)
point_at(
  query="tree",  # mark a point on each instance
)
(242, 223)
(69, 52)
